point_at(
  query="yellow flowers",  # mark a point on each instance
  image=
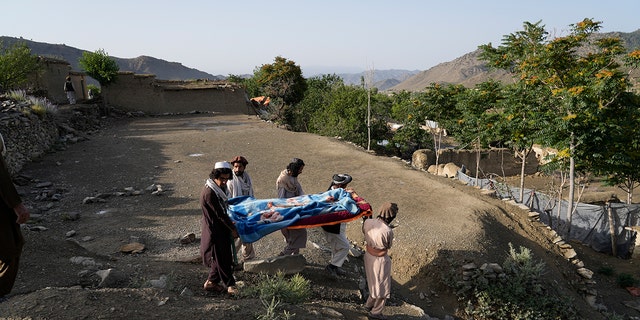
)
(569, 116)
(576, 90)
(604, 74)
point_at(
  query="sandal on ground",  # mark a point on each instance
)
(213, 287)
(232, 291)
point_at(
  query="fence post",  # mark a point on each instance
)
(612, 231)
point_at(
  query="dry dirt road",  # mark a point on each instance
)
(441, 225)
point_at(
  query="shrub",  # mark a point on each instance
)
(41, 106)
(293, 290)
(518, 295)
(17, 95)
(606, 270)
(626, 280)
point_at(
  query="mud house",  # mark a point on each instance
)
(51, 78)
(143, 92)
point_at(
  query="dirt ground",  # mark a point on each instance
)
(441, 225)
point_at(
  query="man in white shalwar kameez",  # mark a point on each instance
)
(241, 185)
(287, 186)
(377, 264)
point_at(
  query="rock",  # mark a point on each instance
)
(450, 170)
(112, 278)
(44, 184)
(134, 247)
(585, 273)
(188, 238)
(70, 234)
(286, 264)
(83, 261)
(159, 283)
(569, 254)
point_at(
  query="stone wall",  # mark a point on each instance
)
(135, 92)
(496, 161)
(29, 136)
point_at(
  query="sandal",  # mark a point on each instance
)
(232, 291)
(214, 287)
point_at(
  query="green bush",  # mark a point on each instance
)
(626, 280)
(518, 295)
(293, 290)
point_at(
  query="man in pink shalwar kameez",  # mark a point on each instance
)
(377, 264)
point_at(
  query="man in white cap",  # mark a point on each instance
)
(218, 231)
(336, 233)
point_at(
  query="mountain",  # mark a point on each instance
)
(468, 70)
(382, 79)
(163, 69)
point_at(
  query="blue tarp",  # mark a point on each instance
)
(256, 218)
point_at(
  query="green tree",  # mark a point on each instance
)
(581, 77)
(283, 82)
(441, 103)
(478, 113)
(319, 93)
(344, 114)
(16, 65)
(410, 111)
(523, 120)
(101, 67)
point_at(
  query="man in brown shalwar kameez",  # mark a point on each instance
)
(218, 231)
(377, 264)
(12, 214)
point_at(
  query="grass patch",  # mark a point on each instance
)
(295, 289)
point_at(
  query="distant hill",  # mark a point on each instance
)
(163, 69)
(468, 70)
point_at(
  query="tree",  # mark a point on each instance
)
(16, 65)
(581, 77)
(281, 81)
(440, 103)
(410, 110)
(101, 67)
(522, 122)
(319, 93)
(478, 113)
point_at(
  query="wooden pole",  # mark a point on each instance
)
(612, 231)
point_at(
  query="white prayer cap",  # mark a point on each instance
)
(222, 165)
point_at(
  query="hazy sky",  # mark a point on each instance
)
(236, 36)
